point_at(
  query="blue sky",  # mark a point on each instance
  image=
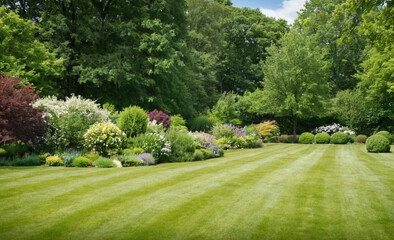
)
(286, 9)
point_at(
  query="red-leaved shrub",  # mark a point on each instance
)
(160, 117)
(18, 119)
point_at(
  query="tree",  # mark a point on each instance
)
(295, 78)
(225, 110)
(22, 55)
(18, 119)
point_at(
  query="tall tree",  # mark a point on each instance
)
(296, 78)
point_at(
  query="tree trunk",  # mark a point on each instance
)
(294, 129)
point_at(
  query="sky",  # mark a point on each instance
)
(286, 9)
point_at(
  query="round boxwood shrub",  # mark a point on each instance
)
(82, 162)
(386, 135)
(306, 138)
(133, 121)
(361, 139)
(54, 161)
(378, 143)
(105, 138)
(339, 138)
(322, 138)
(103, 162)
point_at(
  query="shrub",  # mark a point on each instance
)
(137, 150)
(252, 142)
(18, 119)
(68, 157)
(223, 131)
(333, 128)
(3, 152)
(352, 138)
(225, 110)
(272, 139)
(203, 139)
(160, 117)
(268, 128)
(361, 139)
(105, 138)
(130, 160)
(217, 152)
(93, 156)
(238, 142)
(306, 138)
(153, 143)
(378, 143)
(201, 123)
(43, 157)
(147, 159)
(133, 121)
(387, 135)
(206, 152)
(198, 155)
(32, 160)
(224, 143)
(178, 121)
(285, 139)
(103, 162)
(182, 145)
(16, 149)
(322, 138)
(154, 127)
(54, 161)
(69, 120)
(82, 162)
(339, 138)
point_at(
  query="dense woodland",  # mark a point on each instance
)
(208, 59)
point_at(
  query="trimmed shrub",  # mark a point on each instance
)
(32, 160)
(252, 142)
(147, 159)
(130, 160)
(105, 138)
(223, 131)
(387, 135)
(54, 161)
(339, 138)
(82, 162)
(322, 138)
(182, 145)
(361, 139)
(133, 121)
(201, 123)
(378, 143)
(306, 138)
(198, 155)
(160, 117)
(103, 162)
(285, 139)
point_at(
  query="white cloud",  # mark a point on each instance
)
(288, 11)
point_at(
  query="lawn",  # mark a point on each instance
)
(277, 192)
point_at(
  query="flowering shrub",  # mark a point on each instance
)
(147, 159)
(18, 119)
(68, 120)
(160, 117)
(154, 127)
(182, 145)
(333, 128)
(203, 139)
(133, 121)
(153, 143)
(105, 138)
(223, 131)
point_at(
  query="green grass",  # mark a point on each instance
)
(282, 191)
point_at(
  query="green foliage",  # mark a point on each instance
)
(105, 138)
(361, 139)
(177, 121)
(222, 131)
(43, 157)
(267, 128)
(206, 152)
(24, 56)
(322, 138)
(130, 160)
(378, 143)
(198, 155)
(285, 139)
(306, 138)
(137, 150)
(273, 139)
(153, 143)
(252, 142)
(154, 127)
(69, 156)
(16, 149)
(224, 143)
(201, 123)
(182, 145)
(387, 135)
(54, 161)
(225, 109)
(82, 162)
(31, 160)
(339, 138)
(133, 121)
(3, 152)
(103, 162)
(114, 115)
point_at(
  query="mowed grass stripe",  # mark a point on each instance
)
(125, 183)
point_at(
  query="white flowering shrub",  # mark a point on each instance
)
(153, 143)
(333, 128)
(154, 127)
(69, 119)
(104, 138)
